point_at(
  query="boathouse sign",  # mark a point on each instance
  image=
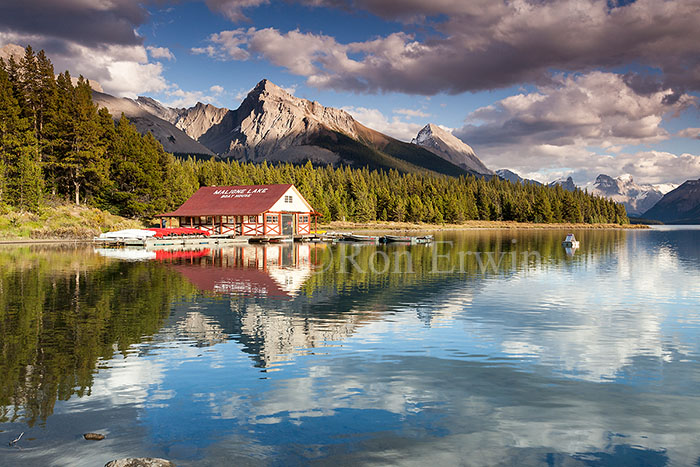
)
(239, 193)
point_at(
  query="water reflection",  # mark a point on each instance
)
(485, 348)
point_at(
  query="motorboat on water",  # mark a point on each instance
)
(407, 239)
(570, 241)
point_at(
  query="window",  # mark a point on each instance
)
(303, 219)
(252, 219)
(288, 198)
(271, 219)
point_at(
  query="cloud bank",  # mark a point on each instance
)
(95, 39)
(479, 45)
(579, 125)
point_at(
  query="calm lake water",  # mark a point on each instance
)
(486, 348)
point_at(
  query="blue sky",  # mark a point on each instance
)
(568, 87)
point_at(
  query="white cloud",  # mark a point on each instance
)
(290, 89)
(233, 9)
(216, 89)
(555, 129)
(596, 108)
(376, 120)
(121, 70)
(412, 113)
(226, 45)
(209, 50)
(181, 98)
(160, 52)
(690, 133)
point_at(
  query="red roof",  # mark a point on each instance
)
(230, 201)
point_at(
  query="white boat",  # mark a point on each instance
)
(570, 241)
(128, 234)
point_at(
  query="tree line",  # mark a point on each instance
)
(56, 144)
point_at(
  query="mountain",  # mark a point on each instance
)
(512, 177)
(567, 184)
(12, 50)
(194, 121)
(636, 198)
(449, 147)
(197, 120)
(273, 125)
(154, 107)
(680, 206)
(141, 115)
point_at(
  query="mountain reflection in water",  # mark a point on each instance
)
(484, 348)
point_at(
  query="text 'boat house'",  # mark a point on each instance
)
(249, 211)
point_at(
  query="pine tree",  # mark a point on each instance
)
(22, 183)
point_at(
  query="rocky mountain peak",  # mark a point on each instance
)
(513, 177)
(271, 120)
(636, 198)
(154, 107)
(449, 147)
(12, 50)
(566, 183)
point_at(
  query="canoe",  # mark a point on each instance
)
(360, 238)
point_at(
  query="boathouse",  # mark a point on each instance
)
(249, 211)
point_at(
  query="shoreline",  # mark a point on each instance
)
(389, 227)
(473, 225)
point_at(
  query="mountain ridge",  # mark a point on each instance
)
(172, 138)
(636, 198)
(513, 177)
(679, 206)
(449, 147)
(273, 125)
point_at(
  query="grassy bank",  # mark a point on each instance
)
(469, 225)
(59, 221)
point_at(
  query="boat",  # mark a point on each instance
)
(360, 238)
(281, 240)
(396, 238)
(407, 239)
(422, 239)
(570, 241)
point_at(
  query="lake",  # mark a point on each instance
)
(484, 348)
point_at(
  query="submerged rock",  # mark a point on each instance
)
(140, 462)
(94, 436)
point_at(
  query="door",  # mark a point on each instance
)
(288, 224)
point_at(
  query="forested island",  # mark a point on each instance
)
(56, 146)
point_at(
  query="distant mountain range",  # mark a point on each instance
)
(680, 206)
(566, 183)
(275, 126)
(636, 198)
(512, 177)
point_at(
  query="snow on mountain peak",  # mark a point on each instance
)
(636, 198)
